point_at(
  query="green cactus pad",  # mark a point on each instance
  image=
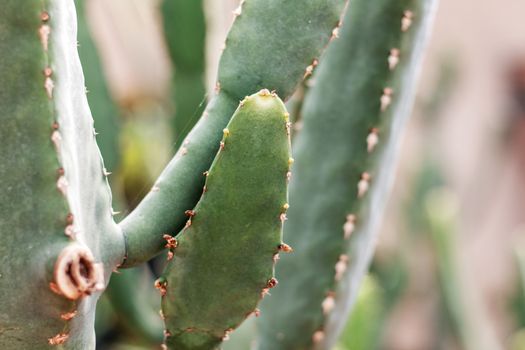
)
(270, 45)
(224, 259)
(353, 116)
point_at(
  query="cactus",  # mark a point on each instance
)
(249, 63)
(57, 204)
(185, 30)
(352, 119)
(249, 183)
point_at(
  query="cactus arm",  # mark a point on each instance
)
(55, 199)
(185, 32)
(262, 57)
(229, 245)
(348, 100)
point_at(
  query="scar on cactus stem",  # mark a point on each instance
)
(76, 273)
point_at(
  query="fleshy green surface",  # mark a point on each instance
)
(133, 298)
(33, 210)
(331, 154)
(225, 258)
(269, 46)
(185, 32)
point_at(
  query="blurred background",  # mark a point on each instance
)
(449, 281)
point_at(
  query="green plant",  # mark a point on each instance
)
(60, 243)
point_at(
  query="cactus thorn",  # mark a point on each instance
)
(257, 312)
(171, 242)
(328, 303)
(166, 333)
(340, 267)
(170, 255)
(272, 282)
(113, 212)
(363, 184)
(44, 32)
(106, 172)
(183, 151)
(56, 138)
(288, 176)
(161, 285)
(335, 33)
(283, 247)
(275, 257)
(386, 98)
(44, 16)
(48, 72)
(406, 21)
(69, 219)
(225, 132)
(163, 347)
(68, 315)
(155, 188)
(206, 173)
(161, 314)
(349, 226)
(218, 86)
(318, 336)
(49, 86)
(286, 206)
(372, 139)
(58, 339)
(70, 231)
(393, 58)
(62, 185)
(221, 145)
(189, 213)
(290, 161)
(227, 334)
(283, 217)
(237, 11)
(265, 92)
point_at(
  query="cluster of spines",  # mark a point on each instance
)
(363, 184)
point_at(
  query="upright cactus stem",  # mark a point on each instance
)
(55, 199)
(222, 262)
(344, 154)
(267, 47)
(185, 32)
